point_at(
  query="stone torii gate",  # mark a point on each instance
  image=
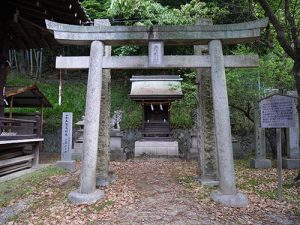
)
(156, 37)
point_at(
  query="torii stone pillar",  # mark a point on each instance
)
(104, 177)
(87, 193)
(206, 141)
(227, 193)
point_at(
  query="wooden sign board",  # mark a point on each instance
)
(277, 111)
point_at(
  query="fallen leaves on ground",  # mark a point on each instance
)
(135, 178)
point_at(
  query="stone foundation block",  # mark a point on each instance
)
(68, 165)
(260, 163)
(76, 156)
(117, 155)
(156, 148)
(76, 197)
(208, 182)
(237, 200)
(192, 154)
(290, 163)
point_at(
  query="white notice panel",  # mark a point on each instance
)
(66, 136)
(277, 111)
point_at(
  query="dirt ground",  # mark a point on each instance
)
(160, 191)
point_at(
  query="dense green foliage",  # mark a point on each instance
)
(245, 86)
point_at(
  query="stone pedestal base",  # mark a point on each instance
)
(117, 155)
(156, 148)
(237, 200)
(290, 163)
(68, 165)
(104, 182)
(208, 182)
(260, 163)
(192, 154)
(79, 198)
(76, 156)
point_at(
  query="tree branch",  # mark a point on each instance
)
(246, 113)
(291, 21)
(279, 29)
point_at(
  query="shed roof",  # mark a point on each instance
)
(24, 21)
(29, 96)
(156, 87)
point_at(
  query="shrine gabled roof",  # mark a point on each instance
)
(29, 96)
(23, 21)
(156, 87)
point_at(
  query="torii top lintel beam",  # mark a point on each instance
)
(171, 35)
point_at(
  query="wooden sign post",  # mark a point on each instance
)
(278, 111)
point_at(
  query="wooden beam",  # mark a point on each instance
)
(16, 160)
(141, 62)
(20, 27)
(34, 24)
(9, 142)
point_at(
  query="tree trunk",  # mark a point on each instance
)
(23, 65)
(3, 70)
(296, 73)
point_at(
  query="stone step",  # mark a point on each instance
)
(156, 148)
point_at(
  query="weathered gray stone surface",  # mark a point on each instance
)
(66, 161)
(104, 126)
(260, 160)
(290, 163)
(293, 151)
(142, 62)
(222, 119)
(192, 153)
(156, 148)
(235, 200)
(260, 163)
(77, 151)
(206, 142)
(67, 165)
(87, 191)
(156, 53)
(193, 34)
(117, 153)
(66, 138)
(81, 198)
(227, 186)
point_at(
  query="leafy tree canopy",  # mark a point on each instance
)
(149, 12)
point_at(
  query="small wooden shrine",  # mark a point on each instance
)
(156, 94)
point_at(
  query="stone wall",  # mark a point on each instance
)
(52, 141)
(181, 135)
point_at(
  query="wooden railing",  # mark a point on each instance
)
(11, 128)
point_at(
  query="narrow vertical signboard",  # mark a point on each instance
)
(66, 136)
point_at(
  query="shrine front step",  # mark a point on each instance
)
(156, 148)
